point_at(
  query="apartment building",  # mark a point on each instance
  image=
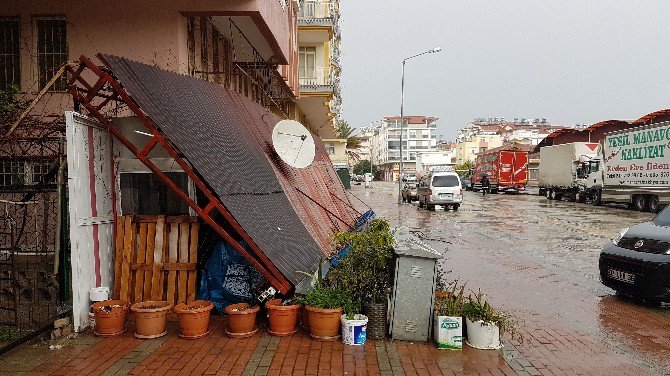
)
(418, 135)
(319, 72)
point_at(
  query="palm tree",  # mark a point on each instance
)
(345, 131)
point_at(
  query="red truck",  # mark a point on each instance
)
(506, 168)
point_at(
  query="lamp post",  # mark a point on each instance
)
(402, 120)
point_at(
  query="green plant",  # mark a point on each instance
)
(451, 302)
(477, 308)
(327, 297)
(365, 272)
(363, 167)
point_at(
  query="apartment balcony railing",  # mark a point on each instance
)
(316, 80)
(318, 13)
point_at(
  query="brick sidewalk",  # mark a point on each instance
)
(262, 354)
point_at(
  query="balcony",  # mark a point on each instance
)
(316, 80)
(318, 13)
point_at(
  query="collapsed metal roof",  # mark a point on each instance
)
(287, 214)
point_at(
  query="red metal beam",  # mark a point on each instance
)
(260, 261)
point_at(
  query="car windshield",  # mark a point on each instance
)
(410, 185)
(663, 218)
(446, 181)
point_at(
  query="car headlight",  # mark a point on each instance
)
(621, 235)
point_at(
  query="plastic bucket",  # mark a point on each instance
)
(354, 331)
(98, 294)
(483, 336)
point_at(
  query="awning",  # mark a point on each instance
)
(288, 214)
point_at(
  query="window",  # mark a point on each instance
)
(446, 181)
(10, 67)
(23, 172)
(146, 194)
(307, 62)
(51, 51)
(473, 150)
(330, 148)
(412, 134)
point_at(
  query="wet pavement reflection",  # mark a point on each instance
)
(539, 259)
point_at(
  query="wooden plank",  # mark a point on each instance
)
(140, 259)
(164, 266)
(149, 258)
(193, 260)
(168, 219)
(173, 250)
(118, 256)
(159, 244)
(128, 246)
(183, 258)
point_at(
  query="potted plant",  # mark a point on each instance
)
(365, 272)
(484, 324)
(110, 317)
(283, 316)
(194, 318)
(448, 321)
(324, 305)
(241, 320)
(150, 318)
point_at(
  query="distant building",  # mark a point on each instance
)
(418, 135)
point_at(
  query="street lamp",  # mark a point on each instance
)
(402, 120)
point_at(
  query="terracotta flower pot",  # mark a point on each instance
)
(150, 318)
(110, 317)
(283, 319)
(194, 318)
(324, 324)
(241, 320)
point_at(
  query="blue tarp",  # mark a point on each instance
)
(228, 278)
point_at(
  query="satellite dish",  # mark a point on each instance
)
(293, 143)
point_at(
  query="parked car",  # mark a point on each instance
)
(637, 262)
(409, 176)
(409, 192)
(466, 183)
(440, 188)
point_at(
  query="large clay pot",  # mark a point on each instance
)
(241, 320)
(304, 318)
(283, 318)
(194, 318)
(150, 318)
(110, 317)
(324, 324)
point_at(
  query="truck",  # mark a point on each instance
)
(561, 169)
(506, 167)
(634, 169)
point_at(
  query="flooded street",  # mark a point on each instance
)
(538, 259)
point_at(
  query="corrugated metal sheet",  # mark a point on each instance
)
(227, 138)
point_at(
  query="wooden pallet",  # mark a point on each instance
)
(156, 258)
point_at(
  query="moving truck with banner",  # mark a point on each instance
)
(506, 168)
(634, 169)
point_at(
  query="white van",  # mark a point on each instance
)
(440, 188)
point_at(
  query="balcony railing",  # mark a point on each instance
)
(317, 9)
(316, 79)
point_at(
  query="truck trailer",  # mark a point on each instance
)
(560, 169)
(634, 169)
(506, 168)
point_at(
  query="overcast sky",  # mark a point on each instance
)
(570, 61)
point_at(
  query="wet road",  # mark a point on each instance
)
(539, 260)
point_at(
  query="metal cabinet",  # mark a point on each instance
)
(414, 288)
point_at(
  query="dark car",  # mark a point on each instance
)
(637, 263)
(409, 193)
(466, 183)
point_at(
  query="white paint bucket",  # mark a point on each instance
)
(482, 335)
(98, 294)
(354, 331)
